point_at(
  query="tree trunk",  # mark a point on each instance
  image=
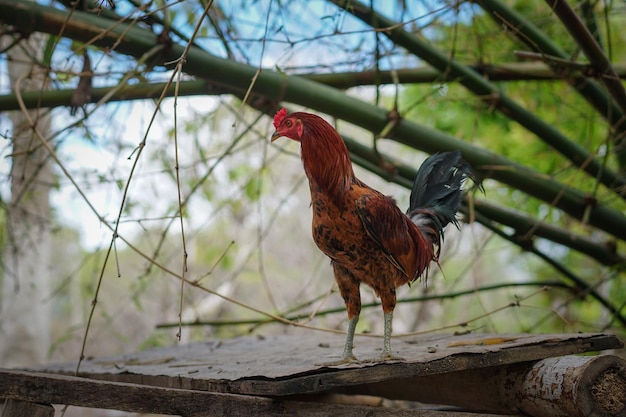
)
(24, 310)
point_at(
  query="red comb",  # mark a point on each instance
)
(279, 116)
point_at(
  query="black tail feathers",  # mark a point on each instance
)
(437, 193)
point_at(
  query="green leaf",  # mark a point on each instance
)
(253, 189)
(78, 47)
(278, 70)
(48, 50)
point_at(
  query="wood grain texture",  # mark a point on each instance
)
(574, 386)
(19, 386)
(288, 365)
(17, 408)
(567, 386)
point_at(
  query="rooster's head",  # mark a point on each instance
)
(287, 125)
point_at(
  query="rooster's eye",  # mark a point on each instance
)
(288, 123)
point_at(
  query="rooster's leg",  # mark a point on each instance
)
(348, 356)
(388, 299)
(349, 289)
(387, 355)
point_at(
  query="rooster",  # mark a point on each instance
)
(367, 237)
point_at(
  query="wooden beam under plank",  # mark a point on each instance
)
(44, 388)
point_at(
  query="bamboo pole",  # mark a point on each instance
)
(566, 386)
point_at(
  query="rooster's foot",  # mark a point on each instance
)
(385, 357)
(345, 360)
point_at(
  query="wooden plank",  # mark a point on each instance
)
(288, 365)
(59, 389)
(568, 386)
(16, 408)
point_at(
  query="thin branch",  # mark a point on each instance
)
(376, 304)
(181, 212)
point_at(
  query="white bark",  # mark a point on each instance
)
(24, 312)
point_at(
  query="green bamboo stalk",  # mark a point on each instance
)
(529, 71)
(591, 20)
(527, 33)
(514, 71)
(527, 227)
(490, 94)
(59, 98)
(235, 78)
(503, 72)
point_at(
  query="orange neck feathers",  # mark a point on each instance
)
(325, 158)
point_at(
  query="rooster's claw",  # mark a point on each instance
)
(346, 360)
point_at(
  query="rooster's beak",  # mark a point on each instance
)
(275, 136)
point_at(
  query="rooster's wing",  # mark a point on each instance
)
(386, 225)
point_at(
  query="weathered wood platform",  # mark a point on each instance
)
(477, 372)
